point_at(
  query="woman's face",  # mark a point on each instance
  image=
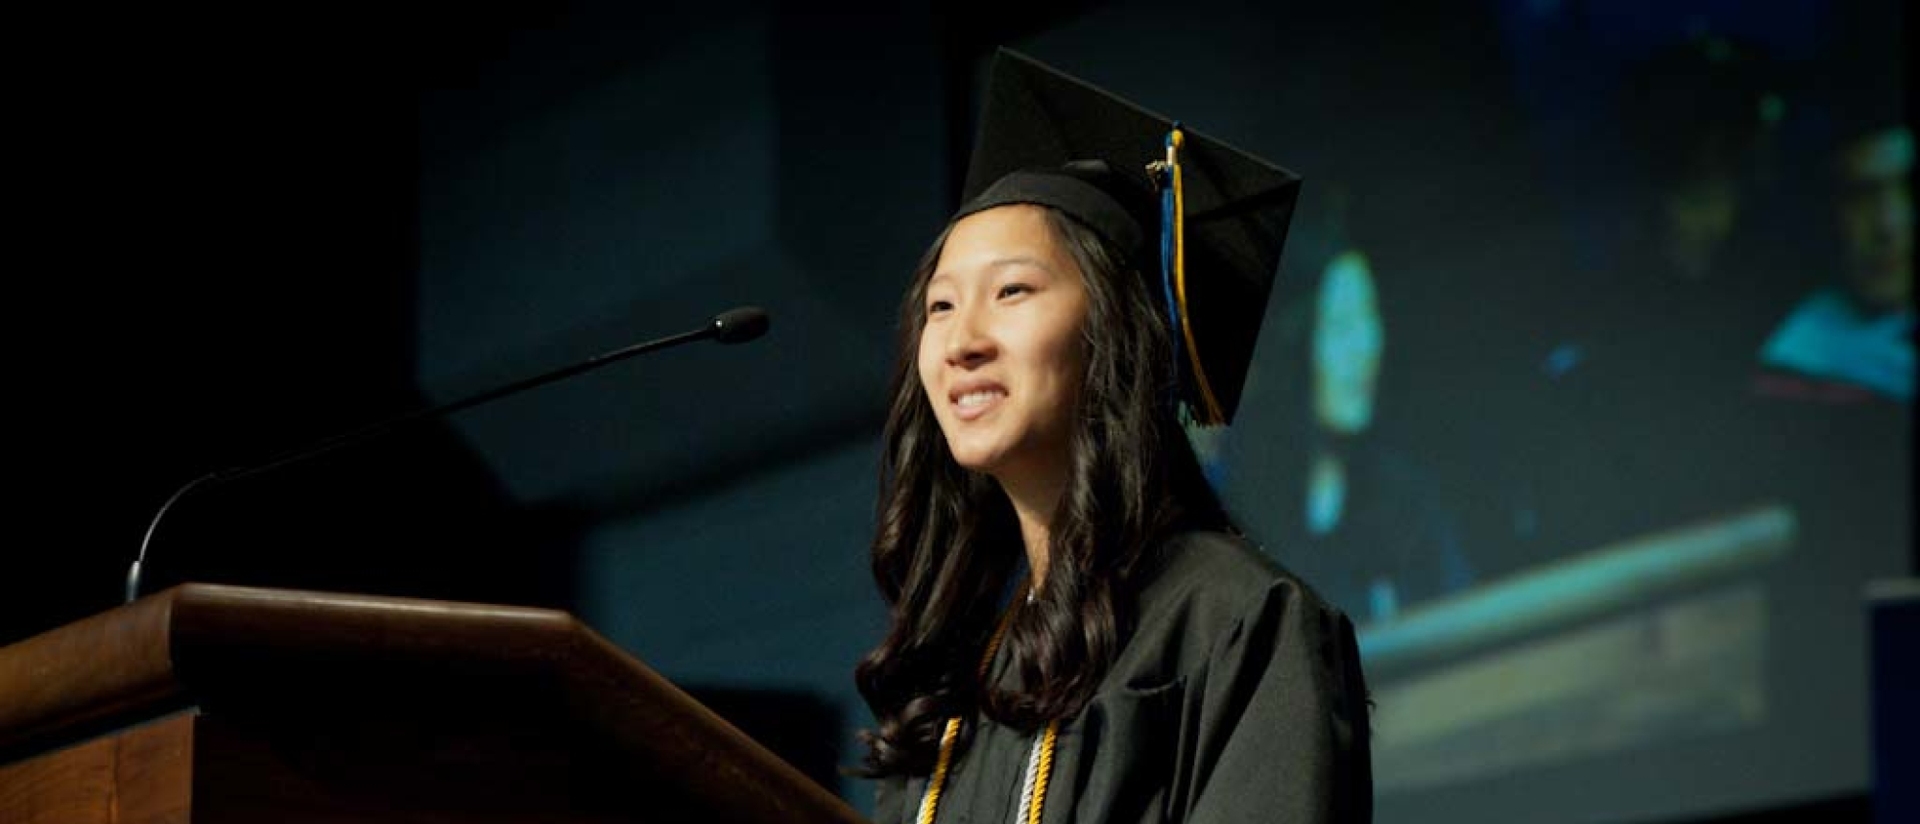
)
(1347, 343)
(1001, 357)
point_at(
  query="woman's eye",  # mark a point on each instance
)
(1012, 289)
(938, 306)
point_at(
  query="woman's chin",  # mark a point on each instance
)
(978, 454)
(984, 461)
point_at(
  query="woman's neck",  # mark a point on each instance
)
(1034, 501)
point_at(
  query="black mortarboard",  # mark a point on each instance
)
(1050, 139)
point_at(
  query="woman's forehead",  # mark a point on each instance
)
(1001, 238)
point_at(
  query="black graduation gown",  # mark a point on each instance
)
(1239, 697)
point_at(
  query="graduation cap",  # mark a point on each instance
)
(1203, 221)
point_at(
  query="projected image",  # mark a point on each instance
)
(1598, 471)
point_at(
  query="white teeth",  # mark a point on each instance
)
(980, 398)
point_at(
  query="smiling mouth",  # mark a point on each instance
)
(975, 403)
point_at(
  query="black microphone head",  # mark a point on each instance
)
(741, 324)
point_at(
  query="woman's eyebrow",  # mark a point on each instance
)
(997, 263)
(1020, 260)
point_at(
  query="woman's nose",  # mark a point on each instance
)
(969, 342)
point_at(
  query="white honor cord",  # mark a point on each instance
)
(1026, 784)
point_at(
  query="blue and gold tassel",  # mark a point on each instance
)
(1173, 277)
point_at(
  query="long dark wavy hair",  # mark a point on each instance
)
(947, 542)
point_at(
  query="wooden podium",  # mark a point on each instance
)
(212, 703)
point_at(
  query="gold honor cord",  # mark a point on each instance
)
(1040, 767)
(1210, 406)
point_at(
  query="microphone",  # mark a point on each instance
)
(736, 325)
(740, 324)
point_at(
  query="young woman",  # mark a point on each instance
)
(1078, 633)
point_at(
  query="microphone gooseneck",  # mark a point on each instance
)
(133, 571)
(737, 325)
